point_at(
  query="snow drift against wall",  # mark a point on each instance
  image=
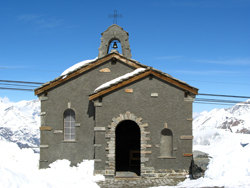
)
(19, 168)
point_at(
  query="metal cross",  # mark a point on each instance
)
(115, 16)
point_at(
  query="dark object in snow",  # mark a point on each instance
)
(199, 164)
(243, 145)
(195, 171)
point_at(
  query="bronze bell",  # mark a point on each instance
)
(115, 45)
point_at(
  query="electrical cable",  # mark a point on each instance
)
(212, 103)
(216, 100)
(21, 89)
(18, 85)
(186, 80)
(24, 82)
(216, 95)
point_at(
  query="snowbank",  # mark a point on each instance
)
(19, 168)
(230, 163)
(229, 166)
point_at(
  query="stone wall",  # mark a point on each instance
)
(73, 94)
(152, 114)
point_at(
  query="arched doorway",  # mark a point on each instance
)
(128, 144)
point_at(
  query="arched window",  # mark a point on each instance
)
(166, 148)
(69, 125)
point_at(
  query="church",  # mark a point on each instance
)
(131, 119)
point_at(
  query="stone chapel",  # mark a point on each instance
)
(128, 117)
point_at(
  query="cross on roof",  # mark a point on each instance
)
(115, 16)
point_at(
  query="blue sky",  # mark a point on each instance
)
(203, 42)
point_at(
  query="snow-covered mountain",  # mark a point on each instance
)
(19, 122)
(235, 119)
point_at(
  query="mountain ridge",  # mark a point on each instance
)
(19, 122)
(235, 119)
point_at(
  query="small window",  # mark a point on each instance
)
(69, 125)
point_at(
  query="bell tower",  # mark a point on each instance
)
(114, 32)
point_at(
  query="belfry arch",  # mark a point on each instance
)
(115, 32)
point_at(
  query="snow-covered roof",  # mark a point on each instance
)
(135, 75)
(83, 66)
(120, 79)
(78, 65)
(85, 63)
(132, 74)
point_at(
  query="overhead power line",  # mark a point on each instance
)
(23, 82)
(21, 89)
(216, 100)
(216, 95)
(186, 80)
(25, 86)
(215, 103)
(19, 85)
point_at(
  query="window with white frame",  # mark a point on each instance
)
(69, 125)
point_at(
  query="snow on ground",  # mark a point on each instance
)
(19, 169)
(230, 162)
(229, 166)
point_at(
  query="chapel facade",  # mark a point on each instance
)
(129, 118)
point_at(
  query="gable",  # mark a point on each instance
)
(130, 79)
(87, 67)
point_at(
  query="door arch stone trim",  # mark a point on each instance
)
(110, 136)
